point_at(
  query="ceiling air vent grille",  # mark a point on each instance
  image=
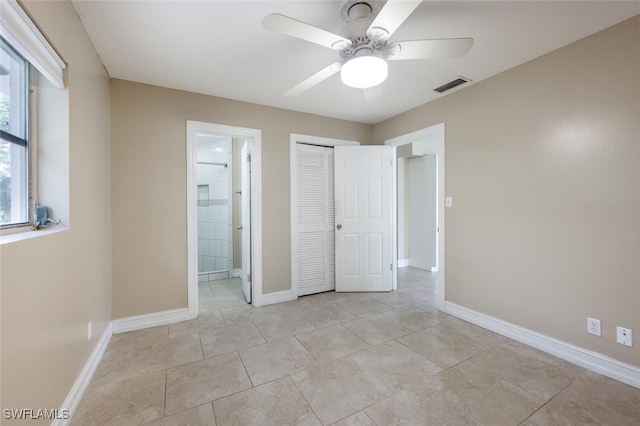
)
(450, 85)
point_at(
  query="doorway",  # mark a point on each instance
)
(312, 238)
(223, 214)
(427, 142)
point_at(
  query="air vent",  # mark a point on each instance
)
(450, 85)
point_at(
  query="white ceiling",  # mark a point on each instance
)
(219, 47)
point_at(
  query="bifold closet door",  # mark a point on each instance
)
(315, 250)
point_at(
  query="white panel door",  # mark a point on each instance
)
(314, 250)
(363, 218)
(245, 219)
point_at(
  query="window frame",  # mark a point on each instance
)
(27, 142)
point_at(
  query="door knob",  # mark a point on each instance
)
(239, 228)
(338, 227)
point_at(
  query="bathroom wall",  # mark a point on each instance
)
(215, 243)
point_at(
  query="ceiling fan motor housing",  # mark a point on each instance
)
(359, 15)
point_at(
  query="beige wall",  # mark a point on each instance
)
(149, 188)
(542, 162)
(53, 285)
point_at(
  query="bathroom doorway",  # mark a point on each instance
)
(222, 207)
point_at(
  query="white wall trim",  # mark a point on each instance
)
(84, 378)
(403, 263)
(279, 297)
(236, 273)
(254, 137)
(293, 164)
(594, 361)
(434, 136)
(140, 322)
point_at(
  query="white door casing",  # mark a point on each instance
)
(298, 269)
(363, 203)
(245, 221)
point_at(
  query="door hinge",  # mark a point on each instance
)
(248, 158)
(248, 277)
(391, 266)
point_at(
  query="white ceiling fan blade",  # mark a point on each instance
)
(392, 15)
(429, 49)
(294, 28)
(318, 77)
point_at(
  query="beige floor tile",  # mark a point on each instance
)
(358, 419)
(197, 416)
(280, 326)
(122, 361)
(394, 299)
(395, 366)
(479, 336)
(331, 343)
(377, 329)
(326, 297)
(140, 337)
(276, 359)
(464, 394)
(203, 381)
(414, 318)
(414, 407)
(229, 339)
(421, 293)
(220, 302)
(206, 320)
(527, 369)
(326, 315)
(443, 348)
(274, 403)
(126, 402)
(365, 307)
(243, 313)
(618, 396)
(592, 399)
(338, 389)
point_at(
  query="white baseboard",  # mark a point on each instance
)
(84, 378)
(277, 297)
(593, 361)
(236, 273)
(434, 269)
(403, 263)
(420, 266)
(155, 319)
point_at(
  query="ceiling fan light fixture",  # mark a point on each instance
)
(364, 72)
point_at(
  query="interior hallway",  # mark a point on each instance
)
(341, 358)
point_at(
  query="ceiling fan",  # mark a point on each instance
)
(363, 44)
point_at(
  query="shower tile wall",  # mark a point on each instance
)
(214, 210)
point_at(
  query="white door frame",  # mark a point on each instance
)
(313, 140)
(254, 137)
(433, 137)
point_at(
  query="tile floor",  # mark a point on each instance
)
(343, 359)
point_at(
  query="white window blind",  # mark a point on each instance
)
(23, 35)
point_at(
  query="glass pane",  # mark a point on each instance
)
(13, 183)
(13, 91)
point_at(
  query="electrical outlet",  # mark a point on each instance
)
(624, 336)
(593, 326)
(89, 330)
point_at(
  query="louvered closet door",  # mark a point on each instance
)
(315, 240)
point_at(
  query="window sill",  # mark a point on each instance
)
(27, 235)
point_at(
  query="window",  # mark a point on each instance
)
(14, 132)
